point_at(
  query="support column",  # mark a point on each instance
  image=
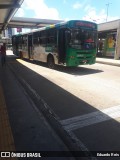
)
(117, 48)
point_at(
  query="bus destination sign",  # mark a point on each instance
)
(85, 24)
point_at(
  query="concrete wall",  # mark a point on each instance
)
(108, 25)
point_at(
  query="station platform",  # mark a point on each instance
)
(19, 132)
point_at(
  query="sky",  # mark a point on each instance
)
(98, 11)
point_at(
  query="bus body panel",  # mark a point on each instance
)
(75, 57)
(39, 53)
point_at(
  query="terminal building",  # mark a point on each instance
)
(109, 39)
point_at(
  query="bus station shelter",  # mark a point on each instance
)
(7, 10)
(109, 39)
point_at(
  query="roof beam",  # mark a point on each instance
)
(21, 26)
(5, 6)
(11, 13)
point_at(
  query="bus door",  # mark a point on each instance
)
(30, 49)
(61, 45)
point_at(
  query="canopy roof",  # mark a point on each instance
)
(7, 10)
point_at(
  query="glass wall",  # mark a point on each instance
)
(106, 44)
(111, 44)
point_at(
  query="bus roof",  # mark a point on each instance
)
(70, 23)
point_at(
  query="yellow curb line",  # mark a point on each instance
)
(6, 137)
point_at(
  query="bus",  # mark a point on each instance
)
(70, 43)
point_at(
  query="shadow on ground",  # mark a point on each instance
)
(61, 105)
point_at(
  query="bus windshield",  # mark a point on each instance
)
(82, 39)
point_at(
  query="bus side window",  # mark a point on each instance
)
(52, 36)
(43, 38)
(36, 38)
(51, 40)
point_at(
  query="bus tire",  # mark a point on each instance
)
(50, 62)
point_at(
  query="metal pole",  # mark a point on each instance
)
(117, 47)
(108, 4)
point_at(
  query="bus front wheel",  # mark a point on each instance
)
(50, 62)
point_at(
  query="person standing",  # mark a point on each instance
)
(3, 54)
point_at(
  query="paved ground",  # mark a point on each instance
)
(108, 61)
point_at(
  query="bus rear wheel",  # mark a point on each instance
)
(50, 62)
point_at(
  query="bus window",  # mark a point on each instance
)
(83, 39)
(36, 38)
(52, 37)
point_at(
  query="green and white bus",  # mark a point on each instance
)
(70, 43)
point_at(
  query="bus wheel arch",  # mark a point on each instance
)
(50, 61)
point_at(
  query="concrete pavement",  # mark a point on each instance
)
(108, 61)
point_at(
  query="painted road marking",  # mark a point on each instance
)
(91, 118)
